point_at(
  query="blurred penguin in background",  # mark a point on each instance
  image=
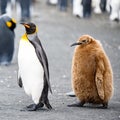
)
(6, 7)
(52, 2)
(103, 5)
(99, 6)
(87, 8)
(25, 8)
(115, 10)
(62, 4)
(77, 8)
(3, 5)
(96, 6)
(7, 35)
(82, 8)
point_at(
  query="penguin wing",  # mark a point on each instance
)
(99, 78)
(43, 59)
(19, 80)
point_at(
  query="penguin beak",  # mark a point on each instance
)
(26, 25)
(78, 43)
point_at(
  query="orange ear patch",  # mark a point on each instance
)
(27, 26)
(9, 24)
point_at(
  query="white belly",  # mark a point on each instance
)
(30, 70)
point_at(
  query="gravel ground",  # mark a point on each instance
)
(57, 30)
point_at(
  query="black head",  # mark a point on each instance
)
(11, 24)
(30, 28)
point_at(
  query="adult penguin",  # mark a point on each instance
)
(33, 72)
(103, 5)
(86, 8)
(7, 35)
(115, 10)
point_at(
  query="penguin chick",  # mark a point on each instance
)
(7, 36)
(33, 72)
(92, 77)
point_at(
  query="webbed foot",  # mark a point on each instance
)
(79, 104)
(48, 105)
(33, 107)
(105, 105)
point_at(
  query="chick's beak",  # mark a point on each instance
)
(74, 44)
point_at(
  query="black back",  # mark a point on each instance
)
(43, 60)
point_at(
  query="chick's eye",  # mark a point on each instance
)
(84, 40)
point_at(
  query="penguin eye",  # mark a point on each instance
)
(84, 41)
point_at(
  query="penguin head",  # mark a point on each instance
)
(11, 23)
(7, 21)
(83, 40)
(30, 28)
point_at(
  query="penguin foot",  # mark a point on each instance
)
(105, 105)
(79, 104)
(48, 105)
(30, 106)
(116, 20)
(71, 94)
(78, 16)
(5, 63)
(33, 107)
(87, 15)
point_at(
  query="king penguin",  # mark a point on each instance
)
(7, 35)
(92, 76)
(33, 73)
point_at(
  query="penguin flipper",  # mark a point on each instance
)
(99, 79)
(19, 81)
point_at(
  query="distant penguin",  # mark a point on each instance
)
(7, 36)
(33, 72)
(92, 77)
(87, 8)
(77, 8)
(96, 6)
(115, 10)
(53, 2)
(103, 5)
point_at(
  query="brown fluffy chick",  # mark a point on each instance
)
(92, 76)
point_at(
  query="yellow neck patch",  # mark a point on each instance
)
(14, 20)
(24, 37)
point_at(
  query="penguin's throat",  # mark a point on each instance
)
(31, 37)
(24, 37)
(27, 37)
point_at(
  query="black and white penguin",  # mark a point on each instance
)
(33, 72)
(115, 10)
(103, 5)
(7, 35)
(87, 8)
(78, 8)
